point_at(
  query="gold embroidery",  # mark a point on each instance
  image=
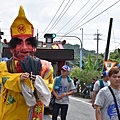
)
(38, 109)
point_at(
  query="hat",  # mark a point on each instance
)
(119, 65)
(105, 73)
(65, 67)
(21, 26)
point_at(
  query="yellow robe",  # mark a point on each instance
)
(12, 103)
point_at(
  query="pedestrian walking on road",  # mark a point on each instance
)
(76, 84)
(99, 84)
(107, 106)
(63, 87)
(91, 87)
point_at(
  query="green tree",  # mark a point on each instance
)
(84, 76)
(115, 56)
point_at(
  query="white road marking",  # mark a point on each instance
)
(80, 100)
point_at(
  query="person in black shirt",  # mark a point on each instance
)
(91, 87)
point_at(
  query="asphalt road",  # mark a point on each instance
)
(79, 109)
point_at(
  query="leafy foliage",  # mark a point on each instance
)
(115, 56)
(86, 61)
(91, 64)
(84, 75)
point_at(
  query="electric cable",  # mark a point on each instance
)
(53, 17)
(73, 16)
(61, 15)
(95, 16)
(114, 37)
(84, 17)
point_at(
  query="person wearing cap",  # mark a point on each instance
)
(27, 81)
(104, 103)
(63, 87)
(100, 84)
(119, 65)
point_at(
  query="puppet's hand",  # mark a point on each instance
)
(31, 64)
(24, 76)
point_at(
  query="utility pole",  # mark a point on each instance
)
(81, 51)
(98, 38)
(82, 36)
(108, 42)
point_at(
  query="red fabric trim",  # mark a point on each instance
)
(38, 111)
(23, 35)
(18, 67)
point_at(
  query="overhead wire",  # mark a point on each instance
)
(73, 16)
(61, 15)
(116, 46)
(53, 17)
(92, 8)
(95, 16)
(114, 37)
(58, 16)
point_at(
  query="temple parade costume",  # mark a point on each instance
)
(24, 100)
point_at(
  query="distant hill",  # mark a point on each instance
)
(77, 50)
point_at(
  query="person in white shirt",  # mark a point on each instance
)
(99, 84)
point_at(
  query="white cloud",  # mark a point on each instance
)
(40, 13)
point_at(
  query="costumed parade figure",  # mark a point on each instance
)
(27, 81)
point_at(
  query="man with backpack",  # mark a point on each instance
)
(107, 101)
(100, 84)
(63, 87)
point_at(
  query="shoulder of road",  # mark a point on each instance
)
(82, 99)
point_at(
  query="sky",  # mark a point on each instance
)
(80, 18)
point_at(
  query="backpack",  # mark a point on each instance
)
(101, 83)
(57, 83)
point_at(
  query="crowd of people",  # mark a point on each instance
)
(105, 94)
(27, 82)
(107, 101)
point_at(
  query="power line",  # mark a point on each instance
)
(53, 17)
(85, 15)
(93, 17)
(114, 37)
(96, 15)
(73, 16)
(61, 15)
